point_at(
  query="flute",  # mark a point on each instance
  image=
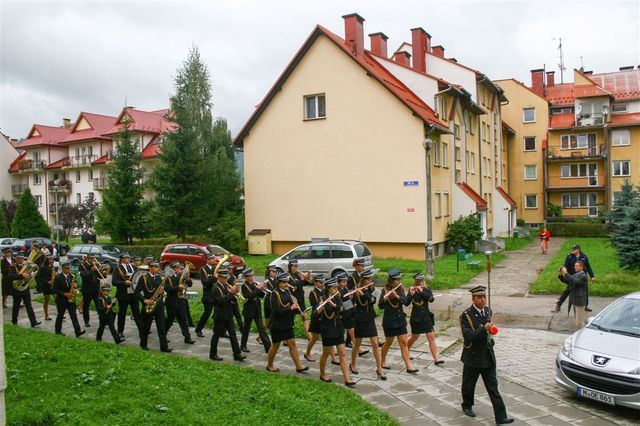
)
(386, 295)
(360, 288)
(321, 305)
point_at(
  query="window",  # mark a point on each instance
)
(530, 172)
(472, 119)
(90, 174)
(579, 200)
(78, 198)
(445, 204)
(438, 204)
(529, 143)
(443, 108)
(362, 250)
(456, 131)
(436, 153)
(95, 250)
(620, 138)
(36, 156)
(341, 252)
(563, 110)
(531, 201)
(320, 252)
(299, 253)
(471, 164)
(619, 107)
(528, 115)
(621, 168)
(314, 107)
(445, 149)
(457, 154)
(37, 179)
(77, 175)
(580, 141)
(39, 200)
(578, 170)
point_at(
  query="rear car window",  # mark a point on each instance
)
(195, 251)
(217, 250)
(85, 249)
(76, 249)
(362, 250)
(95, 250)
(341, 252)
(320, 252)
(111, 249)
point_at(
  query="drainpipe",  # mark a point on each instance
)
(428, 246)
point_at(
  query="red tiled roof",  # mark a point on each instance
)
(561, 121)
(560, 94)
(151, 150)
(623, 84)
(49, 135)
(13, 167)
(144, 121)
(631, 119)
(99, 125)
(481, 204)
(59, 163)
(366, 61)
(588, 91)
(101, 160)
(521, 84)
(507, 197)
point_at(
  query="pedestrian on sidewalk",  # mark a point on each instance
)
(577, 283)
(478, 356)
(545, 236)
(569, 263)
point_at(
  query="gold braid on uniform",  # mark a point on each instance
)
(417, 303)
(390, 302)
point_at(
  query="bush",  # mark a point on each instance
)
(464, 232)
(28, 222)
(520, 222)
(569, 229)
(554, 210)
(144, 250)
(229, 232)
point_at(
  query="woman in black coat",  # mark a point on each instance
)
(422, 320)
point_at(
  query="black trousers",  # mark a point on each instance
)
(107, 320)
(238, 317)
(15, 309)
(266, 342)
(188, 314)
(469, 380)
(147, 319)
(87, 298)
(179, 312)
(124, 302)
(63, 305)
(206, 314)
(219, 328)
(566, 293)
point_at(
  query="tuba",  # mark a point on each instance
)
(29, 267)
(188, 267)
(219, 265)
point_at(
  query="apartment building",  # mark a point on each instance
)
(7, 154)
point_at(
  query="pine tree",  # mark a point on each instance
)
(120, 213)
(626, 236)
(28, 222)
(624, 198)
(4, 225)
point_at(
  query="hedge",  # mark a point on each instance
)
(143, 251)
(567, 229)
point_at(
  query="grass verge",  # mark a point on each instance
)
(84, 382)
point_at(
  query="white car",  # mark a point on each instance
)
(602, 360)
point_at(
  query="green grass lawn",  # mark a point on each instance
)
(610, 279)
(60, 380)
(516, 243)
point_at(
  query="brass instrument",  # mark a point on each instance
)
(306, 276)
(156, 296)
(264, 288)
(237, 294)
(186, 272)
(103, 270)
(29, 267)
(219, 265)
(73, 293)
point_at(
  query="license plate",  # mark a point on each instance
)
(597, 396)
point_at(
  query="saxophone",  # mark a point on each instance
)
(186, 272)
(73, 293)
(157, 295)
(29, 267)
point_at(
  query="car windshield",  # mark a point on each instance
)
(111, 249)
(623, 317)
(217, 250)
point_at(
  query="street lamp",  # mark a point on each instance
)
(488, 255)
(427, 143)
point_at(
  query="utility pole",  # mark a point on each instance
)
(428, 246)
(561, 64)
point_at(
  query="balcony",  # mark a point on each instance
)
(31, 166)
(81, 161)
(18, 189)
(590, 183)
(590, 119)
(99, 183)
(556, 153)
(52, 207)
(60, 185)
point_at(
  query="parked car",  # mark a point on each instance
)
(329, 257)
(196, 253)
(107, 254)
(6, 242)
(602, 360)
(23, 245)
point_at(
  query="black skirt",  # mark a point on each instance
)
(333, 341)
(47, 289)
(421, 327)
(314, 325)
(365, 329)
(398, 331)
(278, 336)
(267, 309)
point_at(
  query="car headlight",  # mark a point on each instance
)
(567, 348)
(634, 371)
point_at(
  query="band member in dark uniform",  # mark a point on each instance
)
(394, 320)
(332, 332)
(125, 293)
(315, 297)
(478, 356)
(175, 288)
(148, 288)
(272, 284)
(90, 286)
(45, 283)
(283, 308)
(296, 280)
(6, 265)
(224, 297)
(208, 280)
(253, 292)
(354, 279)
(21, 296)
(137, 261)
(422, 320)
(106, 315)
(348, 309)
(365, 322)
(63, 286)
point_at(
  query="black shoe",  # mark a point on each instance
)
(239, 357)
(81, 333)
(168, 350)
(469, 412)
(335, 362)
(505, 421)
(86, 324)
(119, 341)
(35, 324)
(189, 341)
(121, 335)
(439, 362)
(587, 309)
(144, 348)
(414, 371)
(215, 358)
(244, 349)
(326, 380)
(308, 358)
(348, 345)
(303, 369)
(352, 370)
(363, 353)
(380, 376)
(349, 384)
(199, 334)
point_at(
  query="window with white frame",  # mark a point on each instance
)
(90, 175)
(577, 200)
(529, 143)
(528, 115)
(435, 152)
(35, 155)
(445, 159)
(37, 179)
(620, 137)
(530, 172)
(619, 107)
(578, 170)
(621, 168)
(315, 107)
(531, 201)
(580, 141)
(443, 108)
(38, 200)
(438, 202)
(456, 131)
(445, 204)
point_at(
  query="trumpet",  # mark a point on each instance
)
(264, 288)
(236, 293)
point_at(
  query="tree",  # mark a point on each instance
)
(626, 236)
(88, 210)
(464, 232)
(120, 213)
(553, 210)
(195, 181)
(4, 225)
(28, 222)
(9, 208)
(624, 198)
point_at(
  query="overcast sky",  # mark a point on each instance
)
(60, 58)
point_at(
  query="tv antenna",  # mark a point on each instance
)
(561, 64)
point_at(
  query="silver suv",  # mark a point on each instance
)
(329, 257)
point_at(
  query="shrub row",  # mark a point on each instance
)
(567, 229)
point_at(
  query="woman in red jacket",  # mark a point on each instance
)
(545, 236)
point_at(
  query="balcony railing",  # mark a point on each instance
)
(60, 185)
(99, 183)
(590, 119)
(556, 153)
(52, 207)
(18, 189)
(82, 160)
(27, 166)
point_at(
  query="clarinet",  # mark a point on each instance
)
(296, 302)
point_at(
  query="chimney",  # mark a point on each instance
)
(588, 73)
(421, 44)
(550, 78)
(66, 122)
(379, 44)
(438, 51)
(537, 81)
(354, 32)
(629, 68)
(402, 58)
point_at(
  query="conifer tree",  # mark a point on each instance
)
(624, 198)
(28, 222)
(4, 226)
(626, 236)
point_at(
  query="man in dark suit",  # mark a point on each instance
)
(6, 265)
(175, 288)
(478, 356)
(577, 285)
(63, 285)
(208, 279)
(569, 264)
(224, 297)
(90, 286)
(145, 291)
(23, 296)
(125, 293)
(253, 292)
